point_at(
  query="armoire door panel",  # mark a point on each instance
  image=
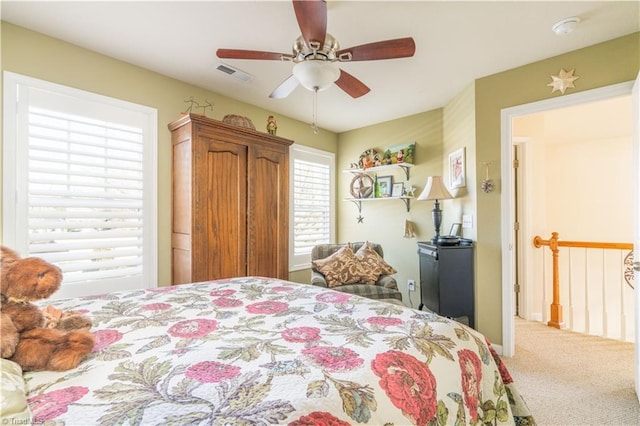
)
(268, 213)
(224, 224)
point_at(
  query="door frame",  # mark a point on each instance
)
(636, 209)
(507, 200)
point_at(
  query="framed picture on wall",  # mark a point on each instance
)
(457, 175)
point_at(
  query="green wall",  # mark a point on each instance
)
(604, 64)
(471, 119)
(36, 55)
(384, 219)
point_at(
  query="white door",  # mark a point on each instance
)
(636, 210)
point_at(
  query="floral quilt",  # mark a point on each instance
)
(258, 351)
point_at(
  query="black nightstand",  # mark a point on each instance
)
(446, 280)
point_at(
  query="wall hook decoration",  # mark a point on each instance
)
(487, 184)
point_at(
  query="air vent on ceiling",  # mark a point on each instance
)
(234, 72)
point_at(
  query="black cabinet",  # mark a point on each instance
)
(446, 281)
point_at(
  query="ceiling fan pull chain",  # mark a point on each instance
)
(314, 125)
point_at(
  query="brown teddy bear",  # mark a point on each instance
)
(34, 339)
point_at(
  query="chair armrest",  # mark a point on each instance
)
(318, 279)
(387, 281)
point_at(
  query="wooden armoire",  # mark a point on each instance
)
(230, 208)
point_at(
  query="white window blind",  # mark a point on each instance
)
(313, 200)
(85, 186)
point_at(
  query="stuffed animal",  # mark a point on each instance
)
(34, 339)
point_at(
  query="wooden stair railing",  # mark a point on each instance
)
(554, 243)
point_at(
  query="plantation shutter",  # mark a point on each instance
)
(313, 203)
(86, 189)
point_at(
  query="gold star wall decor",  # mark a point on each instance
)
(563, 81)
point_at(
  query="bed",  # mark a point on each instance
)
(263, 351)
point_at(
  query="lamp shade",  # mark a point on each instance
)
(434, 189)
(316, 74)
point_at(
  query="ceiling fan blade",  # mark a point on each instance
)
(354, 87)
(312, 19)
(251, 54)
(388, 49)
(285, 88)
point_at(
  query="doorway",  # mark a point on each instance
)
(512, 233)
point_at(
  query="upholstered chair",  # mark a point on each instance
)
(384, 286)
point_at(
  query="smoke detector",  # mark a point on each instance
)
(565, 26)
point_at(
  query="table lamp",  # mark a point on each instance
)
(434, 189)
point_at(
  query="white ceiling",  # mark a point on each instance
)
(456, 42)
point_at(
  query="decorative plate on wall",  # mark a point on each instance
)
(361, 186)
(367, 158)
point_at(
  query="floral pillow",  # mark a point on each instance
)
(373, 265)
(342, 267)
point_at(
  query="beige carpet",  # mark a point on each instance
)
(569, 378)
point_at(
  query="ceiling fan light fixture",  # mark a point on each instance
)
(316, 75)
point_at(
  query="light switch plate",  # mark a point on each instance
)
(467, 221)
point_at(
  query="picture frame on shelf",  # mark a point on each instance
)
(397, 190)
(385, 184)
(455, 229)
(457, 174)
(401, 153)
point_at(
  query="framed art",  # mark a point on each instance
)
(455, 229)
(397, 190)
(384, 186)
(457, 175)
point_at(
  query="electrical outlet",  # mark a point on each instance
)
(411, 284)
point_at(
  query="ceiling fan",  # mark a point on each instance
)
(316, 52)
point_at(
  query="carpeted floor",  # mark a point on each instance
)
(569, 378)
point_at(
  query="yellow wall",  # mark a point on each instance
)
(36, 55)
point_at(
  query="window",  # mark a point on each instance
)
(80, 185)
(313, 203)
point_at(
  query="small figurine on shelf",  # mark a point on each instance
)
(367, 162)
(271, 125)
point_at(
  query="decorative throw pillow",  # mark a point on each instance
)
(342, 267)
(373, 265)
(13, 398)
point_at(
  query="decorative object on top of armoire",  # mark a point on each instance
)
(230, 211)
(238, 120)
(195, 104)
(272, 126)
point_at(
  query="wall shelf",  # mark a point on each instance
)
(358, 201)
(404, 166)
